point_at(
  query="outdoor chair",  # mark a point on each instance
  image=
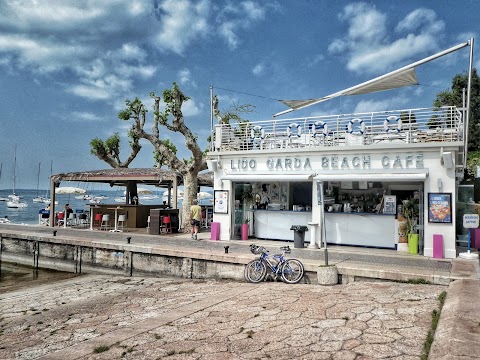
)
(60, 218)
(121, 222)
(166, 225)
(105, 222)
(97, 221)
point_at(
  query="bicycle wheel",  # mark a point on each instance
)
(255, 271)
(292, 271)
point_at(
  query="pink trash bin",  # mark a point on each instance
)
(215, 231)
(438, 246)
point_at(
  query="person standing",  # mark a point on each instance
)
(195, 217)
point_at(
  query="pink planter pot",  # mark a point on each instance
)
(244, 231)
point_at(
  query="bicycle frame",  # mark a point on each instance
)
(265, 257)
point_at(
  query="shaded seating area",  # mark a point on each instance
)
(131, 214)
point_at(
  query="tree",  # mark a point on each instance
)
(454, 97)
(165, 152)
(109, 150)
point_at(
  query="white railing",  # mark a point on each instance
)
(408, 126)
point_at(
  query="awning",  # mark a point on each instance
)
(404, 76)
(404, 175)
(268, 177)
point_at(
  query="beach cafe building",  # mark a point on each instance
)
(345, 179)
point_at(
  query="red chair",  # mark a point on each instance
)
(60, 218)
(166, 224)
(98, 220)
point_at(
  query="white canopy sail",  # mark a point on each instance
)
(404, 76)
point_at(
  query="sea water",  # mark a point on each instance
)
(29, 215)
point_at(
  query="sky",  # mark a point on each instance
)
(67, 66)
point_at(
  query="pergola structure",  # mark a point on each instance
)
(130, 178)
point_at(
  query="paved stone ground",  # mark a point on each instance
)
(156, 318)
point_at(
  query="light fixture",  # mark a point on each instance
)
(447, 160)
(212, 165)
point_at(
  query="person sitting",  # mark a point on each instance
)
(68, 209)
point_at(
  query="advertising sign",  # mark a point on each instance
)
(390, 206)
(220, 201)
(440, 207)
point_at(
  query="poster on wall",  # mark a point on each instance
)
(390, 205)
(220, 201)
(440, 207)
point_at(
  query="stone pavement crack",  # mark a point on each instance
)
(112, 337)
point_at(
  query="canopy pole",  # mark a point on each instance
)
(211, 119)
(467, 119)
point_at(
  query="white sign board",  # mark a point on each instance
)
(470, 221)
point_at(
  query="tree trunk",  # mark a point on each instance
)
(190, 183)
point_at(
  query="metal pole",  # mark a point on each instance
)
(323, 233)
(211, 119)
(468, 100)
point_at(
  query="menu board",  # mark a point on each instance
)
(440, 207)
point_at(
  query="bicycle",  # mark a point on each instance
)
(290, 270)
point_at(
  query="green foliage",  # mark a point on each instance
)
(232, 113)
(410, 209)
(473, 160)
(110, 147)
(442, 297)
(427, 344)
(159, 156)
(454, 97)
(133, 108)
(101, 348)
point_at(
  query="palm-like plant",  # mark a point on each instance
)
(411, 211)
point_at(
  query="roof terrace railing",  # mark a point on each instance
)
(410, 126)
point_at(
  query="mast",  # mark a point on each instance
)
(14, 166)
(38, 177)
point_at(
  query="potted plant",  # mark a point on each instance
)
(411, 211)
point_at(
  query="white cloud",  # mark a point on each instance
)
(379, 105)
(89, 92)
(421, 19)
(190, 108)
(236, 17)
(368, 48)
(258, 69)
(181, 23)
(315, 60)
(84, 116)
(185, 77)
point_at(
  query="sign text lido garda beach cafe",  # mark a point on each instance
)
(385, 179)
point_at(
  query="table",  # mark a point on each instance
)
(115, 229)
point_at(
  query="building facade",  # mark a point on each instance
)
(367, 179)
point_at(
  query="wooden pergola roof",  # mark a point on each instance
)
(125, 177)
(121, 176)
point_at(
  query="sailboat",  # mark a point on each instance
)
(15, 201)
(47, 199)
(2, 198)
(38, 199)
